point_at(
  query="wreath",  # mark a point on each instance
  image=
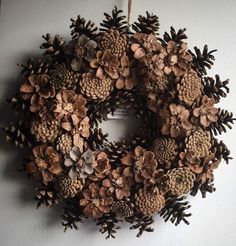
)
(72, 88)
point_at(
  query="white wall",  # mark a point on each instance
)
(22, 22)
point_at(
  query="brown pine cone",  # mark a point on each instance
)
(114, 42)
(190, 87)
(94, 87)
(65, 143)
(199, 143)
(181, 180)
(45, 131)
(122, 209)
(62, 78)
(68, 187)
(148, 202)
(165, 150)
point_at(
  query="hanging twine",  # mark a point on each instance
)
(129, 10)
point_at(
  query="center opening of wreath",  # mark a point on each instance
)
(122, 124)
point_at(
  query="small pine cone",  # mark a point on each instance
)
(165, 150)
(149, 202)
(181, 180)
(62, 78)
(46, 131)
(122, 209)
(190, 87)
(46, 196)
(65, 143)
(68, 187)
(199, 142)
(94, 87)
(114, 42)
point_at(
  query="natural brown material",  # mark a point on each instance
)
(65, 143)
(175, 59)
(62, 78)
(206, 112)
(68, 187)
(199, 142)
(95, 88)
(95, 201)
(142, 163)
(106, 64)
(165, 150)
(118, 184)
(45, 131)
(181, 180)
(122, 209)
(190, 87)
(148, 202)
(70, 105)
(114, 42)
(45, 163)
(176, 120)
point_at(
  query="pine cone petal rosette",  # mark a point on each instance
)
(120, 70)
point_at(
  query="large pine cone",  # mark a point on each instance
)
(190, 87)
(165, 150)
(45, 131)
(122, 209)
(199, 142)
(68, 187)
(94, 87)
(62, 78)
(148, 202)
(181, 180)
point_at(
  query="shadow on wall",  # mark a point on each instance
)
(12, 167)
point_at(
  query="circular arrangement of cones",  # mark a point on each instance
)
(76, 84)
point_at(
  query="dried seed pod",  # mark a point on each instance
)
(148, 202)
(190, 87)
(181, 180)
(165, 150)
(45, 131)
(123, 209)
(199, 142)
(65, 143)
(95, 88)
(114, 42)
(68, 187)
(62, 78)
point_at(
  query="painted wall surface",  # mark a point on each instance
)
(22, 22)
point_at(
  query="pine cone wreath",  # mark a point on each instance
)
(76, 85)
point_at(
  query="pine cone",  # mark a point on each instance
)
(62, 78)
(114, 42)
(47, 196)
(146, 24)
(65, 143)
(94, 87)
(181, 180)
(115, 21)
(148, 202)
(164, 150)
(68, 187)
(122, 209)
(190, 87)
(199, 142)
(45, 131)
